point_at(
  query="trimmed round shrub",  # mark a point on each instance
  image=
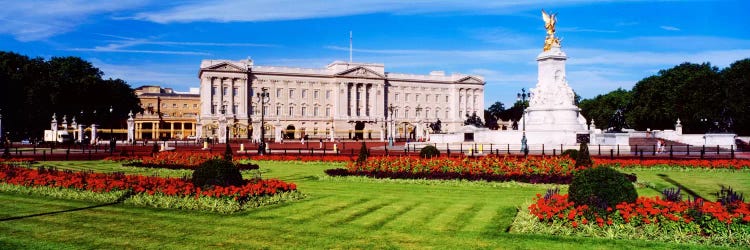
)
(429, 151)
(217, 172)
(572, 153)
(600, 188)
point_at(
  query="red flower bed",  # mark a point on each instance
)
(100, 182)
(489, 168)
(278, 157)
(705, 214)
(691, 163)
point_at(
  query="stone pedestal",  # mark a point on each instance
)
(552, 112)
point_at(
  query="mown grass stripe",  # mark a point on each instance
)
(387, 217)
(357, 213)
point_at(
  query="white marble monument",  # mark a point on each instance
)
(552, 104)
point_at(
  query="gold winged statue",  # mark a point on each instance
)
(549, 24)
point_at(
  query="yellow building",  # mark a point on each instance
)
(179, 111)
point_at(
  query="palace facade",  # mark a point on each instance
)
(179, 113)
(343, 100)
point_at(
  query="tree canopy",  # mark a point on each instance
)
(31, 90)
(700, 95)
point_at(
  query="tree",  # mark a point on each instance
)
(602, 107)
(492, 114)
(736, 79)
(514, 113)
(31, 90)
(690, 92)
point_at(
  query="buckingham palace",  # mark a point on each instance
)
(344, 100)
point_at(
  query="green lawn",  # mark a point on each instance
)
(338, 213)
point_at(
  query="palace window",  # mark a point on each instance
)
(304, 93)
(265, 110)
(234, 109)
(446, 98)
(395, 97)
(278, 110)
(416, 97)
(291, 111)
(213, 109)
(315, 111)
(195, 106)
(437, 114)
(291, 93)
(437, 98)
(304, 109)
(406, 99)
(184, 105)
(213, 90)
(328, 111)
(278, 93)
(225, 91)
(315, 94)
(235, 91)
(328, 94)
(174, 105)
(427, 98)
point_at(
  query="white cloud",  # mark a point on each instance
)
(126, 44)
(181, 77)
(35, 20)
(721, 58)
(579, 29)
(272, 10)
(670, 28)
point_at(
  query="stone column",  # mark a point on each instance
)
(198, 128)
(93, 134)
(131, 127)
(80, 133)
(53, 124)
(368, 103)
(65, 123)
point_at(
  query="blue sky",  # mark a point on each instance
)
(610, 44)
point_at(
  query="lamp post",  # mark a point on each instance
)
(522, 96)
(112, 141)
(228, 150)
(704, 121)
(390, 131)
(263, 99)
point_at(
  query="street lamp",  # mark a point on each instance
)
(522, 96)
(228, 150)
(390, 131)
(263, 99)
(112, 141)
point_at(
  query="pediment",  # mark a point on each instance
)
(226, 67)
(470, 79)
(360, 72)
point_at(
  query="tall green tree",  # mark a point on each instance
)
(602, 107)
(690, 92)
(31, 90)
(736, 79)
(492, 114)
